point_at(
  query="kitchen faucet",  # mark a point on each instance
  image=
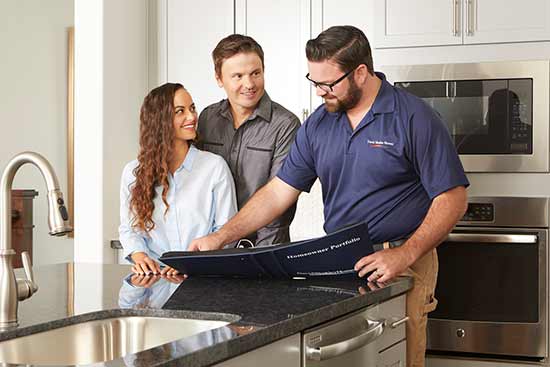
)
(13, 290)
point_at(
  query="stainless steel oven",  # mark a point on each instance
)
(492, 282)
(497, 113)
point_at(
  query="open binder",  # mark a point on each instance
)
(333, 254)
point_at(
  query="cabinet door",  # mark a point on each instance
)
(282, 29)
(488, 21)
(192, 32)
(403, 23)
(395, 356)
(357, 13)
(284, 352)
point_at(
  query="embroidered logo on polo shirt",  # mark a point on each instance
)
(379, 143)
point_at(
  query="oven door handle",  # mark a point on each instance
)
(492, 238)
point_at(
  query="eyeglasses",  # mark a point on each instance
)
(327, 87)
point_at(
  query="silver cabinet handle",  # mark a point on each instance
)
(470, 17)
(395, 324)
(456, 18)
(492, 238)
(305, 114)
(348, 345)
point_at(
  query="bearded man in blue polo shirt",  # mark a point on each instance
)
(382, 156)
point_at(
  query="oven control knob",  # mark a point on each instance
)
(460, 333)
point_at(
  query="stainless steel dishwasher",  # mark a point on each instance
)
(372, 337)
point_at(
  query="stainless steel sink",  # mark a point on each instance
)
(99, 340)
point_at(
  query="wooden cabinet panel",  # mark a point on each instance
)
(22, 223)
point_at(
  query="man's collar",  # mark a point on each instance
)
(385, 100)
(263, 109)
(225, 110)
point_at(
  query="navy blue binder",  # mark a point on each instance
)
(333, 254)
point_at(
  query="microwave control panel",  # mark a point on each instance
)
(479, 212)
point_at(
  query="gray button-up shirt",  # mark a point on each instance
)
(254, 152)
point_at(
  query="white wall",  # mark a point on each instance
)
(33, 93)
(125, 85)
(111, 81)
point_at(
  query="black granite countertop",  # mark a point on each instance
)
(258, 312)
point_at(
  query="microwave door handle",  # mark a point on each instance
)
(453, 88)
(491, 238)
(348, 345)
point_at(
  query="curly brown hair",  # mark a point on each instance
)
(156, 136)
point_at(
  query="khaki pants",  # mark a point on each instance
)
(420, 301)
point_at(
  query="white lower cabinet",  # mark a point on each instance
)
(394, 356)
(372, 337)
(448, 361)
(284, 352)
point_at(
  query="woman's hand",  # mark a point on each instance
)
(143, 264)
(174, 278)
(140, 280)
(168, 271)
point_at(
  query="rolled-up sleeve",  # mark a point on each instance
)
(130, 239)
(285, 138)
(225, 202)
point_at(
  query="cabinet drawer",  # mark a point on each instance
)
(396, 356)
(392, 310)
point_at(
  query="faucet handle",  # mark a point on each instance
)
(26, 287)
(27, 265)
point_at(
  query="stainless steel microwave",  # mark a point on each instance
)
(497, 113)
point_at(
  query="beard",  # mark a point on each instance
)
(350, 100)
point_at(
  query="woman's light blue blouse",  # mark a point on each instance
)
(201, 198)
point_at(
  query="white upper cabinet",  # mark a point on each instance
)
(406, 23)
(402, 23)
(348, 12)
(488, 21)
(192, 32)
(282, 29)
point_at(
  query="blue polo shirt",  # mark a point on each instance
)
(385, 172)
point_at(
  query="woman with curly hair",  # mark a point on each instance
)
(173, 192)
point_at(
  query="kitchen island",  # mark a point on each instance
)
(257, 312)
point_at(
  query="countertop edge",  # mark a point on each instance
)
(246, 343)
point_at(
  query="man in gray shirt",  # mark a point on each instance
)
(250, 131)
